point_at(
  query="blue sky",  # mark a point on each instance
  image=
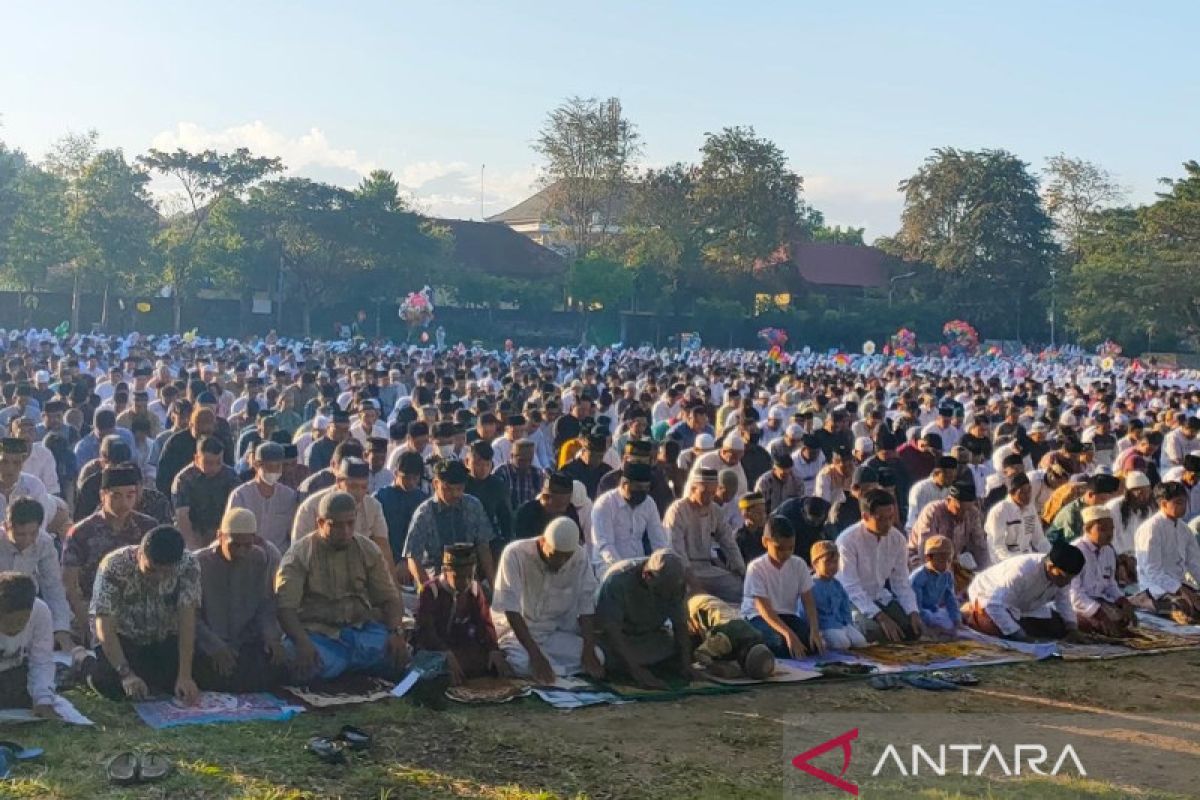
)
(856, 95)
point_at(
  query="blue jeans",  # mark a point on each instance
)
(776, 643)
(361, 649)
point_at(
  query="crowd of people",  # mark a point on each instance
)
(182, 514)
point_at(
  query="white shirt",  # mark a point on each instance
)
(378, 431)
(1013, 531)
(807, 471)
(868, 563)
(1002, 452)
(712, 460)
(368, 517)
(1097, 581)
(923, 492)
(781, 586)
(1019, 587)
(40, 464)
(40, 561)
(950, 434)
(1123, 532)
(33, 646)
(1175, 446)
(1167, 554)
(549, 601)
(378, 480)
(29, 486)
(617, 528)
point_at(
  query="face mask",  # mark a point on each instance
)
(269, 478)
(637, 498)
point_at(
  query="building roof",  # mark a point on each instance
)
(533, 208)
(499, 250)
(823, 264)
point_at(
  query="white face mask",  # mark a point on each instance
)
(269, 478)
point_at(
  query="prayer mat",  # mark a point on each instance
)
(1146, 639)
(488, 690)
(213, 707)
(343, 691)
(973, 649)
(66, 710)
(676, 688)
(786, 671)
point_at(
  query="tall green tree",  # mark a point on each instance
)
(37, 229)
(115, 223)
(662, 238)
(589, 151)
(1074, 190)
(203, 178)
(747, 200)
(976, 216)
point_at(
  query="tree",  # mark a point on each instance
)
(204, 178)
(588, 149)
(12, 165)
(818, 231)
(598, 284)
(662, 235)
(747, 200)
(977, 218)
(115, 222)
(1076, 189)
(37, 229)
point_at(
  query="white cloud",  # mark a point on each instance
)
(439, 188)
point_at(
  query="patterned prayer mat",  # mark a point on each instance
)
(344, 691)
(213, 707)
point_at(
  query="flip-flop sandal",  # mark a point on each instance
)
(123, 769)
(331, 751)
(957, 678)
(929, 684)
(885, 683)
(154, 766)
(22, 753)
(355, 738)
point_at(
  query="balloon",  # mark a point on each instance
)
(1107, 363)
(868, 348)
(424, 336)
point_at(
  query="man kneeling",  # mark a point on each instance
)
(1026, 596)
(337, 603)
(727, 645)
(637, 598)
(144, 607)
(237, 634)
(453, 618)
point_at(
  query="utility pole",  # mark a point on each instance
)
(1053, 297)
(481, 168)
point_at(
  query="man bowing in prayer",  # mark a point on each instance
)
(543, 604)
(694, 526)
(1027, 596)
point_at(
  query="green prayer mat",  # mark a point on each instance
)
(676, 688)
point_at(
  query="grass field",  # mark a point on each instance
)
(728, 746)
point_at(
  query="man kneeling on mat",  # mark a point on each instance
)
(727, 645)
(1027, 596)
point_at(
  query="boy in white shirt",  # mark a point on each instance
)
(26, 647)
(776, 584)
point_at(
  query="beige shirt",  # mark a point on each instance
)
(368, 517)
(692, 531)
(330, 588)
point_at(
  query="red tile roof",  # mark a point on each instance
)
(499, 250)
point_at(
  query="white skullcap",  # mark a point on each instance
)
(864, 445)
(735, 442)
(578, 494)
(320, 422)
(1093, 513)
(1136, 480)
(704, 442)
(562, 534)
(775, 413)
(793, 431)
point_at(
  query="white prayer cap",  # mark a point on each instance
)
(579, 495)
(41, 376)
(735, 442)
(562, 534)
(704, 442)
(864, 445)
(1136, 480)
(1093, 513)
(793, 431)
(320, 422)
(775, 413)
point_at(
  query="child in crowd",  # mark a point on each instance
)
(776, 584)
(933, 584)
(833, 604)
(26, 647)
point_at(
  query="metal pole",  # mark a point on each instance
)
(481, 168)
